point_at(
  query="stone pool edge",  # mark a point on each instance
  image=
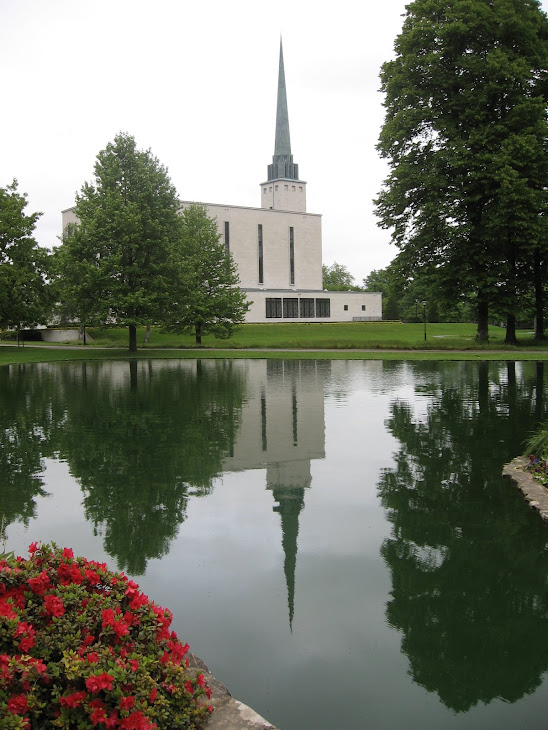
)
(228, 713)
(534, 492)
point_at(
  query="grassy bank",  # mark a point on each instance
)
(356, 340)
(336, 336)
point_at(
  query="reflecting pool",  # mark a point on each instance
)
(334, 538)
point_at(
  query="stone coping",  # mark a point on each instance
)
(534, 492)
(228, 713)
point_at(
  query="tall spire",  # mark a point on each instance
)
(282, 166)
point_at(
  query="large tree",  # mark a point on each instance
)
(337, 278)
(24, 296)
(465, 136)
(205, 294)
(114, 263)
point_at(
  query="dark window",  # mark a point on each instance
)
(307, 307)
(363, 307)
(291, 257)
(273, 308)
(346, 307)
(260, 242)
(323, 307)
(263, 419)
(291, 307)
(227, 236)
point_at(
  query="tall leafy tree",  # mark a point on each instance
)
(113, 264)
(24, 294)
(337, 278)
(205, 294)
(465, 136)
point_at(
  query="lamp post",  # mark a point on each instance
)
(424, 318)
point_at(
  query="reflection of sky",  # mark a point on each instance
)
(224, 577)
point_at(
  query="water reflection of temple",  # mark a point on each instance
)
(282, 430)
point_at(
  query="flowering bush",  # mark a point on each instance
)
(538, 469)
(82, 647)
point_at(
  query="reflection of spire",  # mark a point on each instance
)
(288, 482)
(290, 503)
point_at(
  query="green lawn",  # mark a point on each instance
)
(343, 340)
(340, 335)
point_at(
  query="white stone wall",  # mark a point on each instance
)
(360, 305)
(243, 244)
(284, 195)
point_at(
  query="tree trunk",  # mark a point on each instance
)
(198, 328)
(510, 338)
(132, 338)
(539, 297)
(133, 374)
(483, 320)
(147, 334)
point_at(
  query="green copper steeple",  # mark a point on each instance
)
(282, 166)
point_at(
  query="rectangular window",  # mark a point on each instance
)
(227, 235)
(273, 308)
(291, 307)
(346, 307)
(307, 307)
(291, 256)
(323, 307)
(363, 307)
(260, 244)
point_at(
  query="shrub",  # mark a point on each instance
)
(82, 647)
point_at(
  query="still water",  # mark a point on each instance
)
(333, 537)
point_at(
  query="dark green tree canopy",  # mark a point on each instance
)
(113, 264)
(205, 293)
(465, 135)
(24, 295)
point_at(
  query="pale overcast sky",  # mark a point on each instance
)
(196, 83)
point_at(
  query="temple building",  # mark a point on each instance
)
(278, 247)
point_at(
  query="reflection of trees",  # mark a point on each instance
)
(141, 440)
(28, 417)
(467, 558)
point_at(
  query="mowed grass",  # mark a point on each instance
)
(353, 340)
(335, 336)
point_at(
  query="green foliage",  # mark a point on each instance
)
(113, 264)
(465, 135)
(537, 443)
(24, 295)
(82, 646)
(337, 278)
(205, 294)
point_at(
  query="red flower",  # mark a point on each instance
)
(6, 609)
(33, 547)
(126, 703)
(68, 553)
(98, 715)
(153, 695)
(17, 704)
(98, 682)
(73, 700)
(54, 605)
(40, 584)
(137, 721)
(134, 664)
(201, 680)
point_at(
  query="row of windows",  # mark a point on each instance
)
(293, 308)
(286, 187)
